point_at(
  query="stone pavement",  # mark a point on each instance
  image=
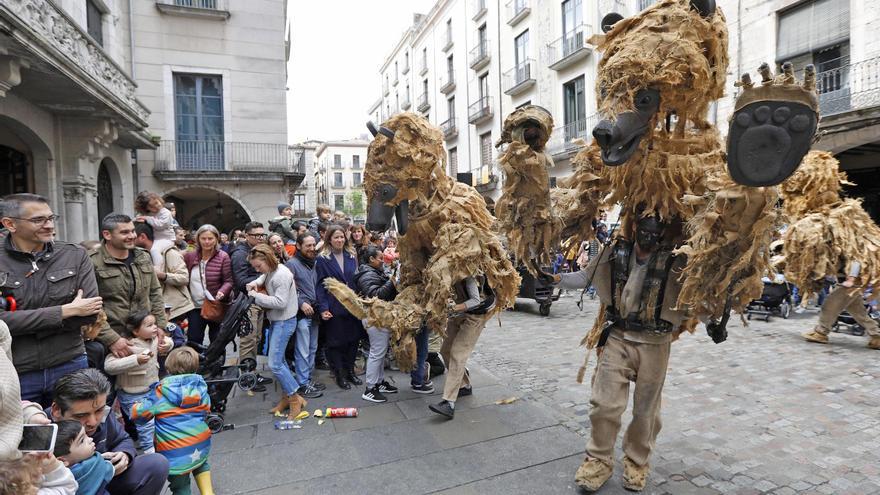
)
(764, 412)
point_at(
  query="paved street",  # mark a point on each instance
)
(764, 412)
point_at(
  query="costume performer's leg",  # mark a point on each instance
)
(859, 313)
(610, 394)
(835, 303)
(457, 348)
(650, 362)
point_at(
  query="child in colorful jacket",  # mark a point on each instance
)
(179, 403)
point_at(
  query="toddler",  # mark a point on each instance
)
(135, 374)
(151, 209)
(77, 451)
(179, 405)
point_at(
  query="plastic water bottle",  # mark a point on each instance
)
(288, 424)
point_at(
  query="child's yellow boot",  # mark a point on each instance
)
(203, 481)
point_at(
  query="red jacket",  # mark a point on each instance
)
(218, 271)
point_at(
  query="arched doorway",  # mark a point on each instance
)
(105, 191)
(197, 206)
(15, 172)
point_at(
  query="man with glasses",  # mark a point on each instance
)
(82, 396)
(242, 274)
(53, 288)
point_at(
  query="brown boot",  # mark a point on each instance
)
(817, 337)
(282, 404)
(592, 474)
(635, 477)
(874, 343)
(297, 403)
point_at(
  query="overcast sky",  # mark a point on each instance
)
(338, 47)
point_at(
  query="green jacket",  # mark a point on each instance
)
(126, 291)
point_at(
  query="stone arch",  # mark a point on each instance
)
(198, 203)
(109, 183)
(19, 137)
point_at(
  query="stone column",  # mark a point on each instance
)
(79, 220)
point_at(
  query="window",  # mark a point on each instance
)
(355, 179)
(450, 68)
(485, 157)
(483, 85)
(337, 179)
(406, 60)
(424, 59)
(811, 27)
(572, 16)
(575, 108)
(355, 161)
(481, 37)
(644, 4)
(395, 72)
(337, 161)
(338, 202)
(522, 71)
(425, 88)
(299, 204)
(448, 31)
(453, 162)
(198, 117)
(94, 22)
(450, 107)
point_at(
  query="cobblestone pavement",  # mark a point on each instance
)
(764, 412)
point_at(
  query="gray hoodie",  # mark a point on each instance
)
(281, 300)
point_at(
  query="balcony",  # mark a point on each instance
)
(480, 111)
(517, 10)
(480, 55)
(185, 161)
(206, 9)
(424, 68)
(563, 140)
(448, 83)
(849, 87)
(423, 103)
(519, 79)
(479, 7)
(449, 42)
(386, 88)
(405, 69)
(449, 128)
(570, 48)
(405, 104)
(396, 80)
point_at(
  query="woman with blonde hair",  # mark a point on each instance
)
(276, 242)
(280, 301)
(210, 279)
(342, 329)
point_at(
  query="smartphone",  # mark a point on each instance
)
(38, 438)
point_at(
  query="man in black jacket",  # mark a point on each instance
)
(82, 396)
(242, 274)
(372, 282)
(53, 286)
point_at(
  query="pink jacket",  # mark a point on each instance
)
(218, 271)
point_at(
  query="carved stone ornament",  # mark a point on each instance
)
(75, 191)
(47, 20)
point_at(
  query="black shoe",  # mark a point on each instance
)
(309, 393)
(258, 388)
(425, 388)
(317, 385)
(373, 394)
(340, 381)
(351, 377)
(322, 365)
(386, 387)
(465, 391)
(264, 380)
(438, 367)
(443, 408)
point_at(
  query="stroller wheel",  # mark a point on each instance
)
(249, 364)
(785, 310)
(247, 381)
(748, 316)
(215, 423)
(858, 330)
(544, 309)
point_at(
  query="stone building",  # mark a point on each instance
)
(70, 112)
(214, 74)
(339, 176)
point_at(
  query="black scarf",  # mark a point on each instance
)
(310, 263)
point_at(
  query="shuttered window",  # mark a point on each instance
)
(485, 157)
(453, 162)
(811, 27)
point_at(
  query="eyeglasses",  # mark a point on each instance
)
(40, 221)
(257, 236)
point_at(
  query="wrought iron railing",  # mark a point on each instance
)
(515, 8)
(208, 156)
(563, 137)
(423, 102)
(568, 44)
(849, 87)
(480, 52)
(448, 82)
(518, 74)
(449, 127)
(197, 4)
(480, 109)
(406, 103)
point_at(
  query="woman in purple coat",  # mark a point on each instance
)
(342, 330)
(210, 277)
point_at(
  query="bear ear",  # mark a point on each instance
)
(610, 20)
(705, 7)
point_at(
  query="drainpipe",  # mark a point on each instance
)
(131, 37)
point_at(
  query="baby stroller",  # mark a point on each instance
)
(775, 300)
(845, 322)
(212, 359)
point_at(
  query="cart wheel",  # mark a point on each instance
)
(858, 330)
(249, 364)
(748, 316)
(785, 309)
(215, 423)
(544, 309)
(247, 381)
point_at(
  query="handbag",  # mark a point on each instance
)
(212, 309)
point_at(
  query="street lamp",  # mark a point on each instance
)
(219, 209)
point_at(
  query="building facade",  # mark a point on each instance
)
(214, 73)
(339, 176)
(70, 112)
(304, 198)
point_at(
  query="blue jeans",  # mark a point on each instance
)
(281, 333)
(145, 429)
(417, 375)
(306, 347)
(36, 386)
